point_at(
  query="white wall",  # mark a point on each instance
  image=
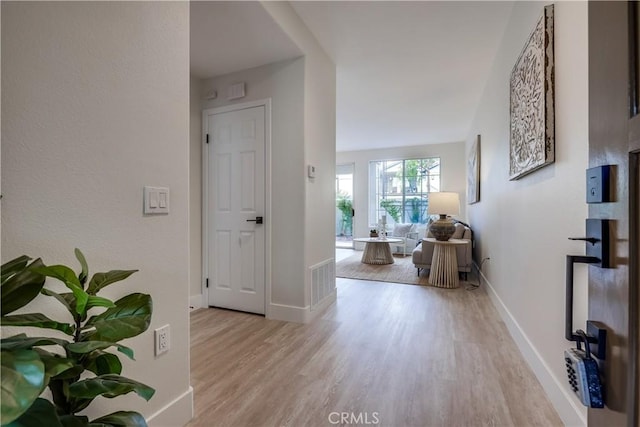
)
(320, 151)
(319, 141)
(523, 225)
(452, 167)
(95, 106)
(195, 192)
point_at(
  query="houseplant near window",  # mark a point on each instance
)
(28, 368)
(345, 205)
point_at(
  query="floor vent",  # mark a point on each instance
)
(323, 281)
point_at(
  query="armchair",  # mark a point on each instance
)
(408, 234)
(423, 253)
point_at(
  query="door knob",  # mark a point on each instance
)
(258, 220)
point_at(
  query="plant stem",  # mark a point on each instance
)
(76, 335)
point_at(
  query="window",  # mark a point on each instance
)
(400, 189)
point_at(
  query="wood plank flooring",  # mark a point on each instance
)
(385, 354)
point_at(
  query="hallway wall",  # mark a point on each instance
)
(523, 225)
(95, 105)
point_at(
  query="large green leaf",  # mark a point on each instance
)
(68, 277)
(54, 364)
(72, 374)
(36, 320)
(95, 301)
(41, 413)
(74, 421)
(103, 363)
(82, 277)
(109, 386)
(23, 379)
(22, 341)
(21, 288)
(130, 317)
(101, 280)
(67, 299)
(12, 267)
(85, 347)
(60, 272)
(120, 419)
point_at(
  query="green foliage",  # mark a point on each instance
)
(121, 418)
(418, 209)
(23, 378)
(392, 208)
(41, 413)
(345, 206)
(28, 369)
(20, 283)
(416, 171)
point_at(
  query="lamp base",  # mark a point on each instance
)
(442, 228)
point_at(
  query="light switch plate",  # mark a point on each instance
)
(156, 200)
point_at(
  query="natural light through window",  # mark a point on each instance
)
(400, 189)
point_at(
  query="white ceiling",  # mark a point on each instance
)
(408, 73)
(228, 36)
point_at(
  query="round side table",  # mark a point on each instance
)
(444, 264)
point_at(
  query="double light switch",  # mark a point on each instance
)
(156, 200)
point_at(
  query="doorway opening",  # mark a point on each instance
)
(344, 206)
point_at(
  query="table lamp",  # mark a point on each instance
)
(443, 204)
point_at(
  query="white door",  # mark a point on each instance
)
(236, 202)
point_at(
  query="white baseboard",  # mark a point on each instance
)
(177, 413)
(326, 302)
(195, 302)
(288, 313)
(570, 413)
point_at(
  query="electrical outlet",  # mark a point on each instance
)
(162, 340)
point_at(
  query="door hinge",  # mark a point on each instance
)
(207, 282)
(207, 138)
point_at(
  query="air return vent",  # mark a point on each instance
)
(323, 281)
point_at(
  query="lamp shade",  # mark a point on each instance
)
(444, 203)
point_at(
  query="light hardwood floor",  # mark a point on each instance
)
(398, 355)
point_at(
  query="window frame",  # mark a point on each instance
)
(379, 186)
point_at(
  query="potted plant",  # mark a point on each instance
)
(84, 367)
(373, 232)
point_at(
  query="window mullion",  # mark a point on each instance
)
(404, 191)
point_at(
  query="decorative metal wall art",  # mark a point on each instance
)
(532, 141)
